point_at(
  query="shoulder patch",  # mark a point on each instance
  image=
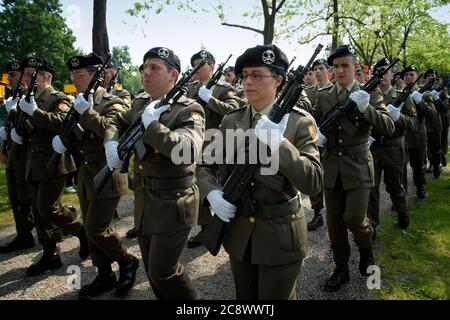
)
(312, 131)
(196, 115)
(63, 107)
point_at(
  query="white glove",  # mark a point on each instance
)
(394, 112)
(322, 139)
(417, 97)
(28, 107)
(361, 98)
(15, 137)
(371, 140)
(221, 207)
(205, 94)
(3, 134)
(81, 105)
(435, 95)
(271, 133)
(58, 145)
(151, 114)
(112, 157)
(11, 104)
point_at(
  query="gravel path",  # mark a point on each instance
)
(211, 275)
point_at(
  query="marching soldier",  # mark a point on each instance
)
(390, 154)
(416, 140)
(105, 245)
(442, 103)
(18, 191)
(122, 93)
(348, 165)
(434, 127)
(266, 248)
(320, 68)
(230, 77)
(166, 194)
(310, 78)
(217, 102)
(360, 75)
(47, 109)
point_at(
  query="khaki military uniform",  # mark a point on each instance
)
(240, 95)
(124, 95)
(105, 245)
(267, 247)
(416, 141)
(348, 169)
(166, 194)
(47, 187)
(312, 92)
(434, 131)
(18, 190)
(443, 108)
(223, 100)
(391, 156)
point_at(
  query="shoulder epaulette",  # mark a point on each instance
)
(301, 111)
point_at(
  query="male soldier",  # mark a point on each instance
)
(110, 72)
(390, 154)
(166, 194)
(310, 78)
(229, 74)
(266, 247)
(230, 77)
(442, 103)
(18, 191)
(47, 110)
(320, 68)
(416, 140)
(105, 245)
(348, 166)
(217, 102)
(360, 75)
(434, 128)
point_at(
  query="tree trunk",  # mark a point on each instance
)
(100, 42)
(269, 29)
(335, 35)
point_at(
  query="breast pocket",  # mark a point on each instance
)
(186, 203)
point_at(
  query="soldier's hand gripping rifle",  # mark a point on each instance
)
(23, 124)
(405, 93)
(214, 79)
(427, 86)
(338, 114)
(8, 124)
(131, 139)
(113, 82)
(70, 128)
(235, 187)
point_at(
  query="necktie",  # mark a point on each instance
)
(256, 117)
(342, 94)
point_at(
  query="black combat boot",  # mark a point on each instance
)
(84, 244)
(339, 277)
(365, 260)
(316, 221)
(102, 283)
(421, 194)
(443, 160)
(403, 221)
(49, 261)
(127, 275)
(193, 242)
(436, 170)
(374, 233)
(132, 233)
(20, 242)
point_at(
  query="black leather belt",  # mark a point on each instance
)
(279, 210)
(166, 184)
(93, 157)
(349, 150)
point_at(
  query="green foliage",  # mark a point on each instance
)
(415, 262)
(129, 75)
(36, 27)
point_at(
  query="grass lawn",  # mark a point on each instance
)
(6, 215)
(415, 263)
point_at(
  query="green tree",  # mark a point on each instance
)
(36, 27)
(129, 74)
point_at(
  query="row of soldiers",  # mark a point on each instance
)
(267, 244)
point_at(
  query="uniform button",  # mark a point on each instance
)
(293, 216)
(82, 151)
(340, 128)
(254, 201)
(251, 219)
(86, 163)
(340, 154)
(340, 140)
(252, 184)
(356, 118)
(178, 194)
(140, 167)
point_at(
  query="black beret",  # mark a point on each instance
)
(268, 55)
(12, 66)
(430, 71)
(411, 68)
(81, 62)
(342, 51)
(319, 62)
(203, 54)
(229, 69)
(33, 62)
(381, 63)
(165, 54)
